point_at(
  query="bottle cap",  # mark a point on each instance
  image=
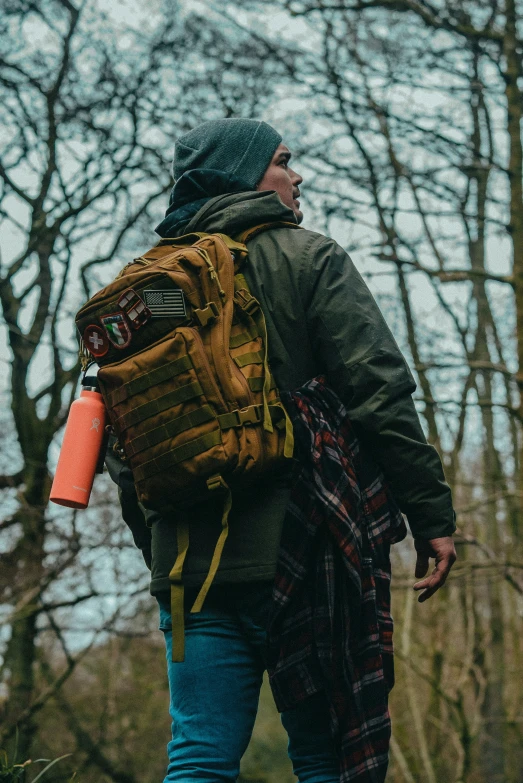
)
(90, 379)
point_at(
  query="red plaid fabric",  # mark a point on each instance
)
(330, 628)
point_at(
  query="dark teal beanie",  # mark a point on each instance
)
(243, 148)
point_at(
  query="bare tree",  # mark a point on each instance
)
(415, 158)
(409, 125)
(90, 107)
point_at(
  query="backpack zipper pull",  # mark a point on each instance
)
(212, 271)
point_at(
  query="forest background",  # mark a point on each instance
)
(404, 116)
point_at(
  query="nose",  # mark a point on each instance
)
(296, 179)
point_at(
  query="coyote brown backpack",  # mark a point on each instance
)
(182, 349)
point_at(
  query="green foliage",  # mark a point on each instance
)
(11, 772)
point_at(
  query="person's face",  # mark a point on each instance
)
(281, 178)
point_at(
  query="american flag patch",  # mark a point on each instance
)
(169, 303)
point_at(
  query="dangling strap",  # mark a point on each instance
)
(215, 483)
(175, 576)
(177, 590)
(288, 446)
(259, 320)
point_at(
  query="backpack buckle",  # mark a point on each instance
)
(240, 417)
(216, 482)
(208, 313)
(250, 415)
(247, 302)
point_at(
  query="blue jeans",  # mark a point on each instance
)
(215, 691)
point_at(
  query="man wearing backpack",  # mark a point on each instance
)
(231, 176)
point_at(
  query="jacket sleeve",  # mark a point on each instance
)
(132, 511)
(355, 349)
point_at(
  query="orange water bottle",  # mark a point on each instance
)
(81, 447)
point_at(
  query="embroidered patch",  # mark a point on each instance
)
(95, 340)
(168, 303)
(134, 307)
(117, 329)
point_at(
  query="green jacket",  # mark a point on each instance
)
(321, 319)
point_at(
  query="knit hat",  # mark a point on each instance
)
(243, 148)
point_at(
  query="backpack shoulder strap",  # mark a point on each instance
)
(191, 239)
(255, 230)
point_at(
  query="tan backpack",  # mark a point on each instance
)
(182, 349)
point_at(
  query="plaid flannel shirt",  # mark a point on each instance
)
(330, 628)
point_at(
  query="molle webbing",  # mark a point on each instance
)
(179, 454)
(255, 357)
(148, 409)
(170, 429)
(148, 379)
(245, 336)
(256, 384)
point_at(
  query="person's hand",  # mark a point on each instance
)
(445, 553)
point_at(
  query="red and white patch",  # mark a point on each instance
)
(117, 329)
(95, 340)
(134, 308)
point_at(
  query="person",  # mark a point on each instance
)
(231, 175)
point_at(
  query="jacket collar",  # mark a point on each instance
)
(211, 201)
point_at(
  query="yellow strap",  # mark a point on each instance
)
(177, 590)
(215, 482)
(184, 241)
(240, 282)
(255, 230)
(282, 421)
(232, 244)
(288, 447)
(259, 320)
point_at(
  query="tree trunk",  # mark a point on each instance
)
(514, 98)
(21, 650)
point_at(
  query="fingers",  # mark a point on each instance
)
(422, 565)
(434, 581)
(444, 552)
